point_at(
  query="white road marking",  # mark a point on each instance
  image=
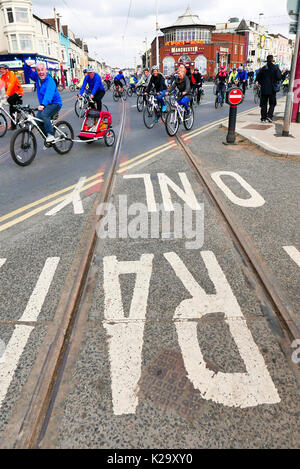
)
(73, 198)
(293, 253)
(255, 200)
(255, 387)
(125, 335)
(17, 343)
(188, 195)
(135, 105)
(2, 262)
(151, 203)
(40, 291)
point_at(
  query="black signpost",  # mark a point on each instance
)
(234, 97)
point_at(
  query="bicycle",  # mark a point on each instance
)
(256, 93)
(16, 118)
(83, 103)
(118, 94)
(152, 110)
(219, 101)
(195, 94)
(178, 115)
(140, 100)
(74, 87)
(23, 145)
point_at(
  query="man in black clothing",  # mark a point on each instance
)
(197, 81)
(268, 77)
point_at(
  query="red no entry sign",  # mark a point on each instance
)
(235, 96)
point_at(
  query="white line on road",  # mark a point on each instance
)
(17, 343)
(293, 253)
(38, 295)
(2, 261)
(74, 198)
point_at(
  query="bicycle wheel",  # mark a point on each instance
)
(256, 97)
(64, 131)
(188, 121)
(172, 123)
(3, 125)
(217, 102)
(109, 138)
(104, 108)
(124, 95)
(129, 92)
(80, 108)
(140, 103)
(71, 88)
(23, 147)
(116, 96)
(149, 116)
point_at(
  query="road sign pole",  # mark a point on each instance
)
(290, 96)
(231, 135)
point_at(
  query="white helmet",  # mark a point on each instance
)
(90, 69)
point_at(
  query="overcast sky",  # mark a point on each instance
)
(104, 23)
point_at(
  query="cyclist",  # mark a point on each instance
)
(48, 96)
(13, 89)
(197, 82)
(232, 77)
(82, 79)
(108, 80)
(157, 81)
(95, 87)
(132, 82)
(183, 85)
(242, 78)
(118, 80)
(221, 78)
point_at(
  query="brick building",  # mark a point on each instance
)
(198, 45)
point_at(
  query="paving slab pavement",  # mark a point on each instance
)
(268, 136)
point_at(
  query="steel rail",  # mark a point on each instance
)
(56, 343)
(269, 287)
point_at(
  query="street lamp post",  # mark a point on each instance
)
(290, 95)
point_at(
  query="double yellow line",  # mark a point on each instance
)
(96, 178)
(145, 157)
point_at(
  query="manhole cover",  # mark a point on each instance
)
(257, 127)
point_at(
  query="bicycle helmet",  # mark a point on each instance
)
(4, 66)
(155, 67)
(85, 70)
(90, 70)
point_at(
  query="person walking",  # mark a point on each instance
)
(269, 78)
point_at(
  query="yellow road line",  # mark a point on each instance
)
(130, 166)
(44, 207)
(44, 199)
(125, 163)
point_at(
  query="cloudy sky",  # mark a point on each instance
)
(117, 38)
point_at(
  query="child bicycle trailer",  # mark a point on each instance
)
(97, 125)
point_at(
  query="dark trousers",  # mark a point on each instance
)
(12, 101)
(266, 99)
(199, 91)
(98, 98)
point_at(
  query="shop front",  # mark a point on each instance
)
(15, 63)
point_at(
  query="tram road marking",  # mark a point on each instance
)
(255, 200)
(44, 207)
(17, 343)
(293, 253)
(2, 262)
(125, 335)
(73, 198)
(44, 199)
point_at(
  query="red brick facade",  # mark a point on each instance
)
(230, 47)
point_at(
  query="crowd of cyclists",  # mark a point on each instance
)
(186, 83)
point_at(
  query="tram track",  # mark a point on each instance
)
(67, 312)
(269, 290)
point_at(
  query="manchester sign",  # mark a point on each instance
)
(183, 43)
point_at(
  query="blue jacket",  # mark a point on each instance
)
(46, 89)
(120, 76)
(95, 84)
(242, 75)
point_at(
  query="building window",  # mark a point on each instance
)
(10, 15)
(25, 42)
(235, 49)
(201, 64)
(14, 42)
(49, 49)
(168, 66)
(21, 15)
(242, 50)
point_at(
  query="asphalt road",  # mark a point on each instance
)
(130, 381)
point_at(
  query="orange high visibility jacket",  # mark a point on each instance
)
(11, 84)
